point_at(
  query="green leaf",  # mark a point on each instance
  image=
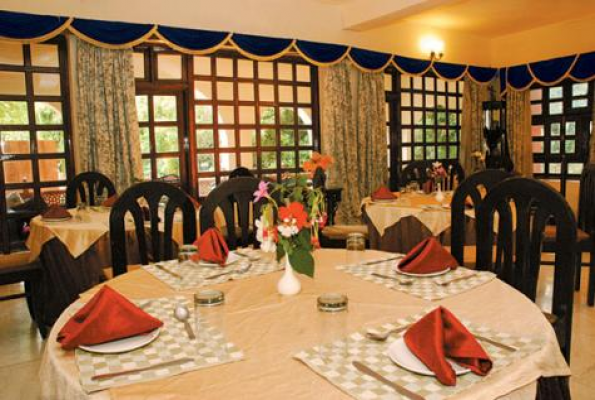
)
(280, 252)
(302, 262)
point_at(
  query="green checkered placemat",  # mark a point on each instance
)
(208, 349)
(334, 360)
(193, 274)
(428, 288)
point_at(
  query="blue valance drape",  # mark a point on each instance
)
(261, 47)
(321, 54)
(411, 66)
(192, 40)
(31, 27)
(112, 34)
(370, 60)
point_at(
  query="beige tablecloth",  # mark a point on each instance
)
(270, 329)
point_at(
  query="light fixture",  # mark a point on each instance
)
(433, 46)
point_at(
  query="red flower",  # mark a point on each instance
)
(294, 214)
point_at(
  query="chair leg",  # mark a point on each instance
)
(29, 298)
(577, 277)
(591, 292)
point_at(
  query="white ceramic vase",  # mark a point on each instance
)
(439, 193)
(289, 284)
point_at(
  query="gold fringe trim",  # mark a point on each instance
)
(401, 70)
(261, 58)
(43, 38)
(190, 51)
(450, 79)
(320, 64)
(363, 69)
(128, 45)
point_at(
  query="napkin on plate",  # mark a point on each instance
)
(110, 201)
(427, 257)
(383, 193)
(107, 316)
(55, 212)
(440, 334)
(212, 247)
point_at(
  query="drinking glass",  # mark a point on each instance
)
(355, 246)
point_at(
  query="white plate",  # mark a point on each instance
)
(400, 354)
(231, 259)
(123, 345)
(55, 219)
(437, 273)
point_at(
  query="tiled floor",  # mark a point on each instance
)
(21, 346)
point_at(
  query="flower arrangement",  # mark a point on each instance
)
(291, 218)
(316, 161)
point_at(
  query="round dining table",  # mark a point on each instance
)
(271, 329)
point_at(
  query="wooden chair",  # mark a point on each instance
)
(240, 171)
(474, 187)
(518, 255)
(417, 171)
(235, 198)
(88, 185)
(152, 193)
(334, 236)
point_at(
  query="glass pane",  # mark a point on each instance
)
(205, 139)
(165, 108)
(303, 73)
(405, 118)
(245, 68)
(247, 115)
(536, 94)
(247, 138)
(142, 108)
(265, 70)
(569, 146)
(555, 147)
(168, 166)
(138, 60)
(169, 66)
(147, 175)
(405, 99)
(537, 147)
(269, 160)
(287, 115)
(418, 100)
(268, 138)
(145, 140)
(575, 168)
(224, 66)
(453, 136)
(418, 117)
(18, 171)
(206, 162)
(406, 136)
(555, 168)
(580, 103)
(536, 109)
(203, 90)
(227, 138)
(453, 151)
(305, 137)
(288, 159)
(285, 71)
(16, 142)
(405, 82)
(266, 92)
(44, 55)
(225, 91)
(418, 153)
(555, 129)
(12, 83)
(538, 168)
(304, 94)
(267, 115)
(287, 137)
(46, 84)
(285, 94)
(580, 89)
(305, 155)
(166, 139)
(246, 91)
(225, 114)
(556, 108)
(48, 113)
(441, 135)
(203, 114)
(570, 128)
(556, 92)
(205, 185)
(50, 141)
(202, 65)
(304, 116)
(430, 136)
(13, 113)
(52, 170)
(11, 53)
(418, 136)
(537, 130)
(442, 152)
(227, 161)
(406, 153)
(430, 153)
(249, 160)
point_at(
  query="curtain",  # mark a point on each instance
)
(108, 138)
(591, 159)
(474, 95)
(518, 129)
(354, 133)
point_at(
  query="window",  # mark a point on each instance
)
(561, 125)
(423, 119)
(34, 122)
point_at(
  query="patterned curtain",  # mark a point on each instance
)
(518, 129)
(107, 125)
(353, 132)
(474, 95)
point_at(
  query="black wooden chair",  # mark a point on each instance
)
(88, 185)
(416, 171)
(474, 187)
(239, 172)
(152, 193)
(235, 198)
(518, 257)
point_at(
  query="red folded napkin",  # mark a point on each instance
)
(427, 257)
(383, 193)
(109, 202)
(56, 212)
(440, 334)
(107, 316)
(212, 247)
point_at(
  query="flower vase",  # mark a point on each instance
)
(289, 284)
(439, 193)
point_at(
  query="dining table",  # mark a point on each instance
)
(397, 225)
(284, 347)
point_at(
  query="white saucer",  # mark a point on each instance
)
(400, 354)
(231, 259)
(123, 345)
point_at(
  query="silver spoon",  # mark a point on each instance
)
(182, 314)
(381, 337)
(402, 281)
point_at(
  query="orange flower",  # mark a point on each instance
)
(294, 214)
(316, 156)
(309, 166)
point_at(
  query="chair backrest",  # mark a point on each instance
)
(151, 194)
(475, 187)
(239, 172)
(417, 171)
(235, 198)
(88, 185)
(586, 211)
(524, 207)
